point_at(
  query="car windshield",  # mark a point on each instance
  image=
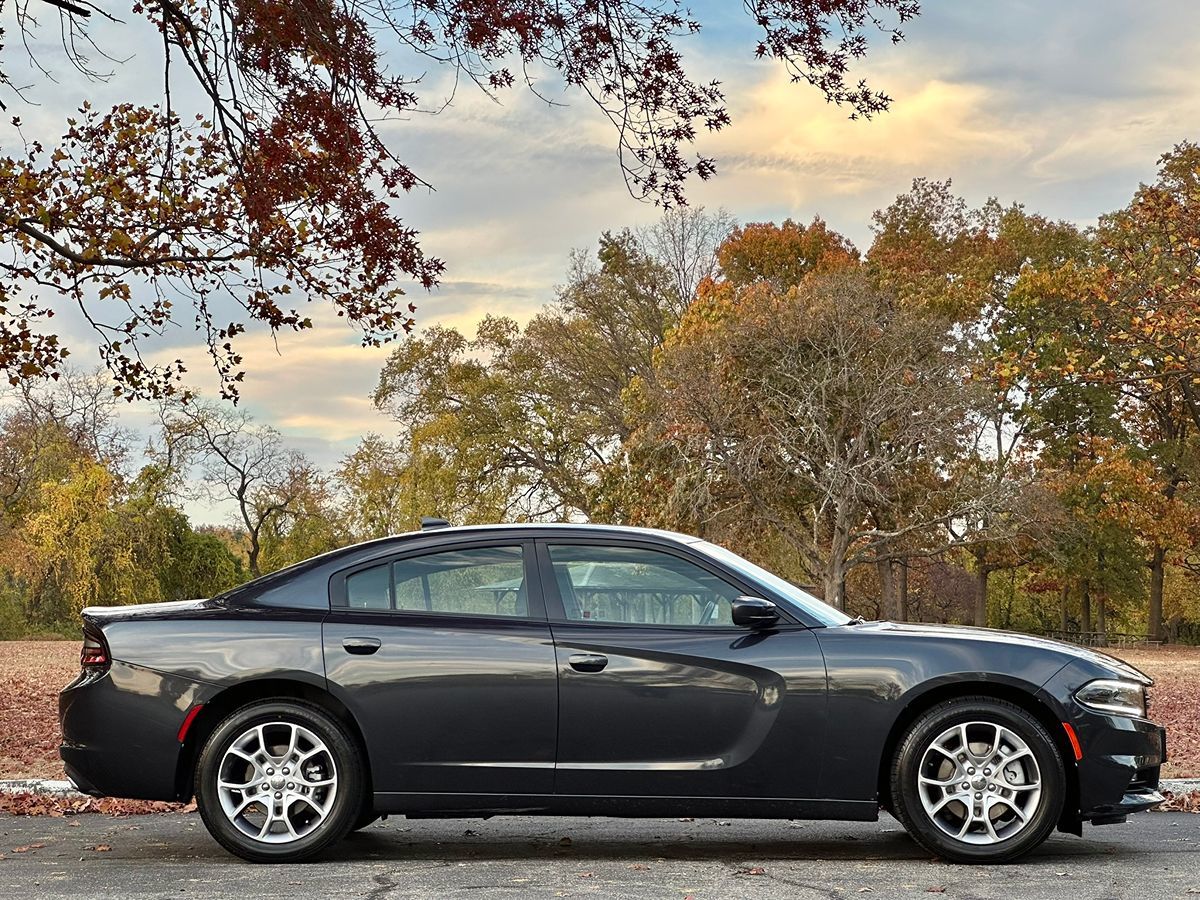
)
(814, 608)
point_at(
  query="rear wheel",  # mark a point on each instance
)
(279, 781)
(978, 780)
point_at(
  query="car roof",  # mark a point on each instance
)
(317, 568)
(586, 527)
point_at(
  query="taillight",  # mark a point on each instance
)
(94, 653)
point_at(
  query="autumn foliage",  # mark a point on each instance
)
(259, 181)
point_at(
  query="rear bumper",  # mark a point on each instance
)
(120, 731)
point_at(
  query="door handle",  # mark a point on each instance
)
(360, 646)
(587, 662)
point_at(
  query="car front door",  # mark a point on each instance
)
(661, 695)
(447, 663)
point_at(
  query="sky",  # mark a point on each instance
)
(1063, 106)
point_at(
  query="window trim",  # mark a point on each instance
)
(556, 611)
(536, 612)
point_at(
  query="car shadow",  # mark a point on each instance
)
(407, 842)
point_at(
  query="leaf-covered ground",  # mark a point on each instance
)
(33, 672)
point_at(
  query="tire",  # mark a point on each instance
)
(1006, 810)
(250, 760)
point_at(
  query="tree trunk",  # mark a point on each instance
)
(1064, 598)
(835, 571)
(1101, 620)
(981, 585)
(1086, 602)
(887, 589)
(1157, 565)
(835, 585)
(902, 591)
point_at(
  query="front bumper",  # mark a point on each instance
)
(120, 731)
(1121, 756)
(1119, 772)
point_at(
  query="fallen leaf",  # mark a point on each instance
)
(753, 870)
(639, 867)
(935, 890)
(565, 842)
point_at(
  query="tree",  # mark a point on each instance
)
(282, 187)
(685, 241)
(809, 410)
(531, 422)
(1130, 316)
(936, 253)
(239, 462)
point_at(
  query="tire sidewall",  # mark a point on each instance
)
(928, 727)
(347, 803)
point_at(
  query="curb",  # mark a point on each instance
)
(1180, 785)
(41, 786)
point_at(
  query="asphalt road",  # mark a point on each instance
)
(1155, 855)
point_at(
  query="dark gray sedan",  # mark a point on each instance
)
(591, 670)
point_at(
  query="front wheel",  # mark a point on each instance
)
(978, 780)
(279, 781)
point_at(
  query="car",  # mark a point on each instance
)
(591, 670)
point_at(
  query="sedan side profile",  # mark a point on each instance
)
(591, 670)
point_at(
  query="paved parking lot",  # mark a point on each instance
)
(1154, 855)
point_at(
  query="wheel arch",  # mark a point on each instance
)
(216, 709)
(1026, 699)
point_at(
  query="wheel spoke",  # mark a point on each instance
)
(262, 742)
(230, 786)
(935, 782)
(966, 744)
(248, 802)
(241, 754)
(941, 804)
(308, 801)
(292, 743)
(1014, 756)
(1008, 804)
(267, 822)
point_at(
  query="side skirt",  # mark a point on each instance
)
(416, 805)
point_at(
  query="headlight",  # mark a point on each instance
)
(1125, 698)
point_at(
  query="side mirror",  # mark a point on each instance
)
(754, 612)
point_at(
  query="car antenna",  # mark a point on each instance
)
(430, 522)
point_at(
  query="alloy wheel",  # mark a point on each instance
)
(979, 783)
(277, 782)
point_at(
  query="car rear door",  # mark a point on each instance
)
(446, 660)
(660, 695)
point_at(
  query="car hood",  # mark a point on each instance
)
(994, 636)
